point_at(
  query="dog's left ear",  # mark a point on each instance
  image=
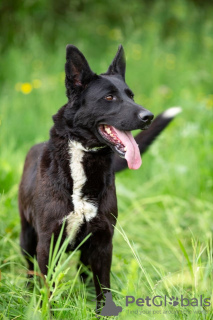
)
(77, 70)
(118, 65)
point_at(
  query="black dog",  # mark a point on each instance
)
(71, 176)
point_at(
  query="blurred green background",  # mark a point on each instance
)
(166, 206)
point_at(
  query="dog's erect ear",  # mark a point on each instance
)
(78, 72)
(118, 65)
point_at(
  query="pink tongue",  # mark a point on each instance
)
(132, 155)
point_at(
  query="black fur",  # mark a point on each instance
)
(46, 186)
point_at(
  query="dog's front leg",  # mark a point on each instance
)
(100, 262)
(43, 254)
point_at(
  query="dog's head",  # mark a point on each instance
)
(102, 108)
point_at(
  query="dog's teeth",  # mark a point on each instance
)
(107, 129)
(125, 149)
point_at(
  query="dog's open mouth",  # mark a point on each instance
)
(123, 143)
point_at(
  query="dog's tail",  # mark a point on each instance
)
(145, 138)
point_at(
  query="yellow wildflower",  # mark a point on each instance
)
(26, 88)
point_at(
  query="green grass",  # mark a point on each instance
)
(163, 239)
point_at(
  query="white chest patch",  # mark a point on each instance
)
(82, 207)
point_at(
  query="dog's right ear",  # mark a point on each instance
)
(118, 65)
(77, 70)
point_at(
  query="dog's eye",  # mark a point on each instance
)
(132, 96)
(109, 97)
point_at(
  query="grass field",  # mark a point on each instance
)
(163, 239)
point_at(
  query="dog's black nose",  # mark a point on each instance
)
(146, 117)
